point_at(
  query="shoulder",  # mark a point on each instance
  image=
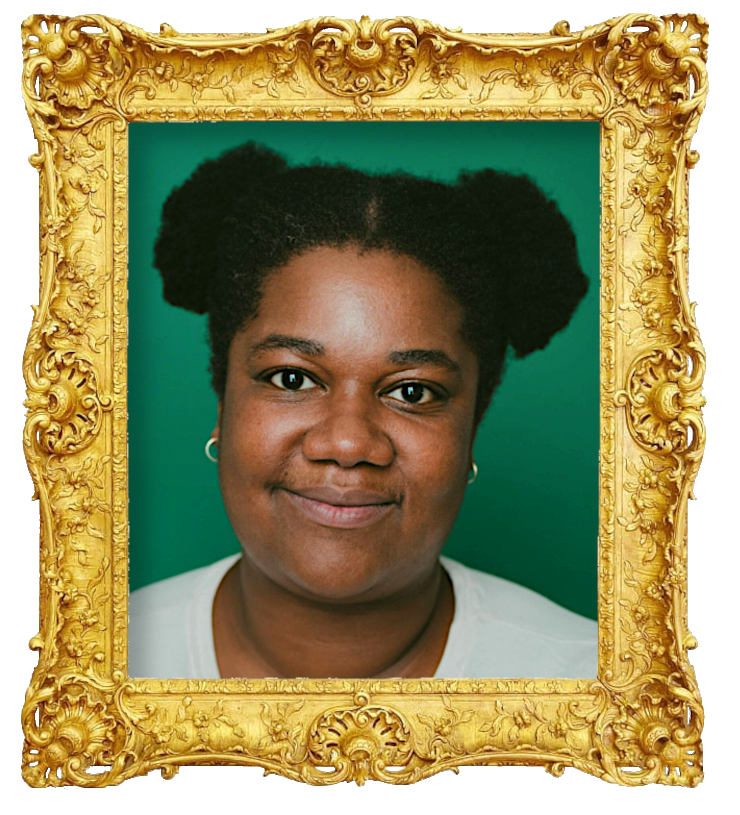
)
(178, 590)
(509, 630)
(519, 606)
(170, 634)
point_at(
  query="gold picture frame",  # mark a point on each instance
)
(85, 721)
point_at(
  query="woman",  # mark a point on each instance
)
(358, 329)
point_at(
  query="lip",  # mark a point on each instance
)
(341, 509)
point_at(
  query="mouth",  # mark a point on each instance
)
(341, 509)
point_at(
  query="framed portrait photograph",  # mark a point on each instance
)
(364, 399)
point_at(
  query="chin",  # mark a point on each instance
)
(340, 573)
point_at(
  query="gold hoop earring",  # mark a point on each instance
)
(208, 449)
(475, 473)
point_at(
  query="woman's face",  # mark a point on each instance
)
(346, 428)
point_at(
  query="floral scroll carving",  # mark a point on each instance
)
(445, 729)
(566, 74)
(443, 75)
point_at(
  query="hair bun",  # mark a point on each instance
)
(532, 251)
(187, 249)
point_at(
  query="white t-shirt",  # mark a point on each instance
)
(500, 629)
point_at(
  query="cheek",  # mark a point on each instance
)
(435, 462)
(256, 445)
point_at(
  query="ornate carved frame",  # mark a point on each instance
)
(644, 79)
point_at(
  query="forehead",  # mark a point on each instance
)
(342, 295)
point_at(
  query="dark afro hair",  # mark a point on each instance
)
(505, 252)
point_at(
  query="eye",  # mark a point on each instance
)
(292, 380)
(412, 393)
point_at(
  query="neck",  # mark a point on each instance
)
(261, 629)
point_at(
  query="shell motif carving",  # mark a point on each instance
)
(653, 66)
(361, 742)
(364, 59)
(66, 734)
(664, 401)
(67, 406)
(660, 734)
(67, 64)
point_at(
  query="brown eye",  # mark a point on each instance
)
(412, 393)
(292, 380)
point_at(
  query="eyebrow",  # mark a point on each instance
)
(420, 356)
(311, 348)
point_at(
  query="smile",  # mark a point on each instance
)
(342, 510)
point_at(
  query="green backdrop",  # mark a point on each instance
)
(532, 514)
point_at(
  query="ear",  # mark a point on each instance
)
(217, 428)
(473, 437)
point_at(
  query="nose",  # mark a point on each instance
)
(349, 434)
